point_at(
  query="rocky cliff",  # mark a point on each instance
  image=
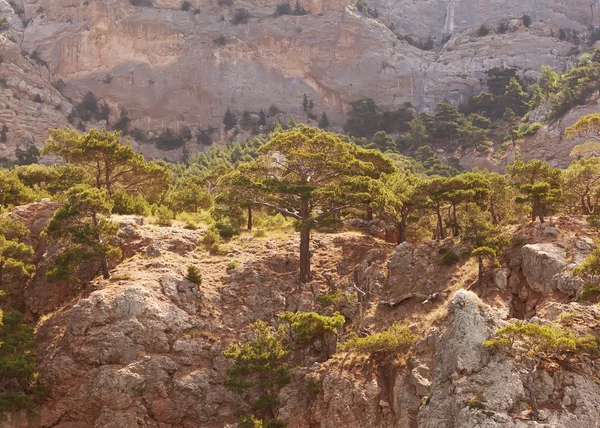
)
(143, 349)
(171, 67)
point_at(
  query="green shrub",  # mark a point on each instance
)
(589, 293)
(164, 216)
(210, 238)
(193, 275)
(260, 234)
(226, 229)
(527, 130)
(310, 325)
(333, 298)
(19, 381)
(391, 341)
(450, 257)
(283, 9)
(526, 20)
(216, 249)
(476, 403)
(260, 366)
(241, 16)
(234, 264)
(126, 203)
(252, 422)
(594, 221)
(313, 385)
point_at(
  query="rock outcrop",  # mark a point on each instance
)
(540, 263)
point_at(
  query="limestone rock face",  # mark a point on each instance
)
(169, 67)
(540, 263)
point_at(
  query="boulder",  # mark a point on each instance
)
(501, 278)
(567, 283)
(540, 263)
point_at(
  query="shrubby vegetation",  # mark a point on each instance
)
(19, 380)
(306, 176)
(531, 343)
(390, 342)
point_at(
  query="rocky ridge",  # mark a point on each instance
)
(144, 348)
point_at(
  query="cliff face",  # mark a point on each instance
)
(169, 67)
(144, 349)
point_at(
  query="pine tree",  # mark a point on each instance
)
(324, 122)
(305, 104)
(14, 254)
(539, 185)
(308, 174)
(262, 121)
(109, 164)
(229, 120)
(83, 232)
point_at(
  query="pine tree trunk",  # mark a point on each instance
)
(369, 213)
(532, 398)
(584, 206)
(481, 269)
(454, 222)
(440, 224)
(104, 264)
(249, 218)
(401, 231)
(493, 213)
(103, 259)
(305, 253)
(1, 273)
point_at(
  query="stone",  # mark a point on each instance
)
(501, 278)
(540, 263)
(550, 231)
(567, 283)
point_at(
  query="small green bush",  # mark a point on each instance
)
(526, 21)
(313, 385)
(164, 216)
(126, 203)
(333, 298)
(210, 238)
(234, 264)
(252, 422)
(589, 293)
(20, 380)
(527, 130)
(594, 221)
(283, 9)
(241, 16)
(193, 275)
(309, 325)
(391, 341)
(450, 258)
(226, 230)
(260, 234)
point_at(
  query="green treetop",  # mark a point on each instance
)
(14, 253)
(83, 232)
(539, 185)
(305, 173)
(111, 165)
